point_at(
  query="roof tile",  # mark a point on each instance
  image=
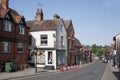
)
(43, 25)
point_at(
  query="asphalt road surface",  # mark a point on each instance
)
(93, 71)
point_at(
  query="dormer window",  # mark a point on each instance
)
(21, 28)
(7, 24)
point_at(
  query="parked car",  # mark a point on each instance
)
(105, 60)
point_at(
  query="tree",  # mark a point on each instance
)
(99, 50)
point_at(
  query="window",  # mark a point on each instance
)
(20, 48)
(6, 47)
(21, 30)
(62, 42)
(44, 40)
(7, 26)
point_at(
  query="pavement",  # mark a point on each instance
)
(29, 72)
(25, 73)
(111, 73)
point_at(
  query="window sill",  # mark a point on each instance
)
(20, 52)
(6, 52)
(43, 45)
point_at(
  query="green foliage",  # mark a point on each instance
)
(99, 50)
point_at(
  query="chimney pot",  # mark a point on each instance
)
(39, 15)
(56, 16)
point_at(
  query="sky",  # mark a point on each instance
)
(94, 21)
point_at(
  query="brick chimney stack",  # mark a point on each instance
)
(5, 3)
(39, 15)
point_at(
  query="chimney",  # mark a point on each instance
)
(56, 16)
(39, 15)
(5, 3)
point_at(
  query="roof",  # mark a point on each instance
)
(77, 42)
(15, 15)
(43, 25)
(85, 48)
(68, 24)
(111, 48)
(3, 11)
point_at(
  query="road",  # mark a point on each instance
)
(93, 71)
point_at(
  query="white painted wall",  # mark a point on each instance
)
(36, 39)
(54, 43)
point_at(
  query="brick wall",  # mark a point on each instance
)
(14, 38)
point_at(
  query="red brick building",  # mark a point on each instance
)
(73, 44)
(77, 46)
(70, 42)
(13, 35)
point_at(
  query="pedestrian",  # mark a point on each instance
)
(114, 57)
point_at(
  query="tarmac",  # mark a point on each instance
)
(111, 73)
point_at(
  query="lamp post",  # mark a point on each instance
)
(36, 53)
(35, 59)
(35, 62)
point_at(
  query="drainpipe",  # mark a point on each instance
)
(14, 42)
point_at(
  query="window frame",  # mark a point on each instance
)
(50, 57)
(20, 48)
(7, 24)
(62, 41)
(21, 29)
(6, 47)
(43, 39)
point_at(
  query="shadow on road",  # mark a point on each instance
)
(117, 74)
